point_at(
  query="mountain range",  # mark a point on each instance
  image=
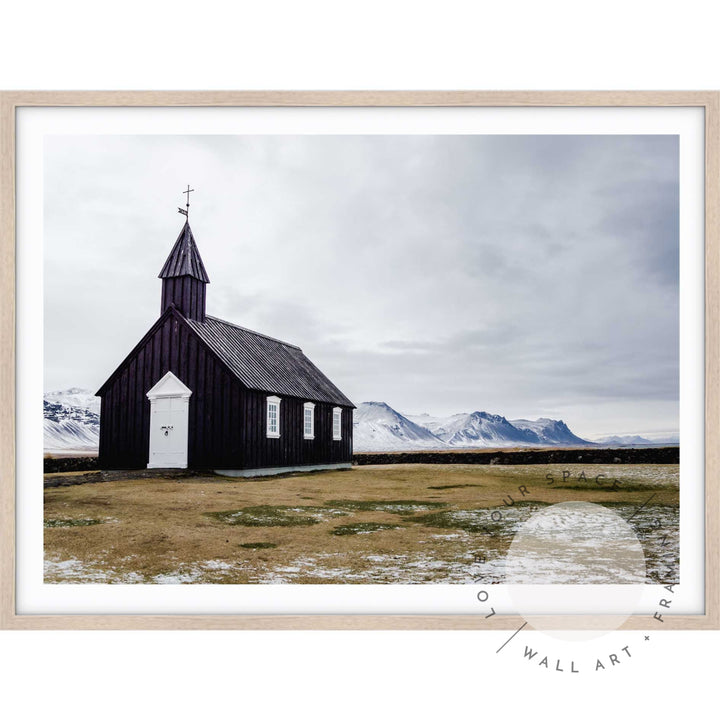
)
(379, 427)
(72, 424)
(637, 440)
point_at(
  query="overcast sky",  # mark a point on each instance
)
(522, 275)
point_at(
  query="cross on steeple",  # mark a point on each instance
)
(186, 211)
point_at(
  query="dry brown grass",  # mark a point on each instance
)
(177, 530)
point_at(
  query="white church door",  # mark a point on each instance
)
(169, 406)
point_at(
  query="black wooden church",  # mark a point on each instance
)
(200, 392)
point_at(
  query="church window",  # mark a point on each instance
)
(309, 421)
(337, 423)
(273, 416)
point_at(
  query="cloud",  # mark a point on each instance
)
(520, 274)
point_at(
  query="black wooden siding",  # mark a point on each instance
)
(291, 448)
(227, 422)
(187, 294)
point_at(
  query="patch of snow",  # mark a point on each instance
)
(74, 570)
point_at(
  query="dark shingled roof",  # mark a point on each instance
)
(184, 258)
(263, 363)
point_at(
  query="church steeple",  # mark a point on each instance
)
(184, 278)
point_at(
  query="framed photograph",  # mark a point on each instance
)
(360, 360)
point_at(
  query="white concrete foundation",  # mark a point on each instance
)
(260, 472)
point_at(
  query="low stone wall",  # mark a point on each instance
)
(69, 464)
(594, 456)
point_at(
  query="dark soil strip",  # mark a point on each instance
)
(53, 480)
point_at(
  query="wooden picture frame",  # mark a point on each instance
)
(10, 102)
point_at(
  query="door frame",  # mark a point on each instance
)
(169, 387)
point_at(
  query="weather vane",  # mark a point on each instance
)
(186, 211)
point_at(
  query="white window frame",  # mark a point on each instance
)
(272, 401)
(311, 407)
(337, 413)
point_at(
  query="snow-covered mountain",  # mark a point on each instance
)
(551, 432)
(75, 397)
(481, 429)
(635, 440)
(71, 421)
(378, 427)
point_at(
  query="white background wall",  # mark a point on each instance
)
(333, 45)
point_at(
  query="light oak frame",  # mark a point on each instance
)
(11, 101)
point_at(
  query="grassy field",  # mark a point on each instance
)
(371, 524)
